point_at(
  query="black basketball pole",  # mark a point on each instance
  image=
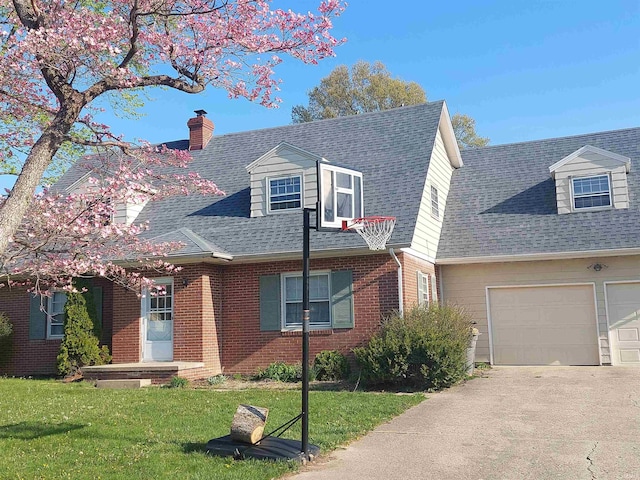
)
(305, 332)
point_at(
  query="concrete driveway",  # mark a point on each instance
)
(514, 423)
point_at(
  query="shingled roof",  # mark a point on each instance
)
(391, 148)
(503, 202)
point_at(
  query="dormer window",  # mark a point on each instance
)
(591, 192)
(285, 193)
(591, 179)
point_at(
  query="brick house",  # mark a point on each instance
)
(236, 304)
(540, 241)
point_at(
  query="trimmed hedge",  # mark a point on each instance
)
(426, 349)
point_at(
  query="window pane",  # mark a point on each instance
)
(319, 312)
(327, 201)
(285, 193)
(435, 209)
(357, 197)
(319, 287)
(293, 289)
(593, 201)
(293, 314)
(345, 205)
(57, 329)
(343, 180)
(159, 329)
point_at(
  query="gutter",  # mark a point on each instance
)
(393, 255)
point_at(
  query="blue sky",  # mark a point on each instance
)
(523, 69)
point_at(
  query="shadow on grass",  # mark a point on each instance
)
(34, 430)
(191, 447)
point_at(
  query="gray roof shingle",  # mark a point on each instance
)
(391, 148)
(503, 202)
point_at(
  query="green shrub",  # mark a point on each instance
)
(5, 326)
(283, 372)
(425, 348)
(216, 380)
(84, 284)
(331, 365)
(179, 382)
(79, 347)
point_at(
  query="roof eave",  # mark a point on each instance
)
(528, 257)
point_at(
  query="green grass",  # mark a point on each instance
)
(50, 430)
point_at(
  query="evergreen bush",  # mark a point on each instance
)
(331, 365)
(425, 348)
(79, 346)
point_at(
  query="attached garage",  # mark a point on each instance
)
(623, 313)
(543, 325)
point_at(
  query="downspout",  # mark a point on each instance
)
(400, 302)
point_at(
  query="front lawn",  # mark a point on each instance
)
(50, 430)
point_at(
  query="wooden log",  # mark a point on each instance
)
(248, 423)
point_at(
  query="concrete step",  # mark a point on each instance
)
(124, 383)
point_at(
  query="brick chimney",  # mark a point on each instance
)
(200, 130)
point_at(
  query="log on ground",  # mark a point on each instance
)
(248, 423)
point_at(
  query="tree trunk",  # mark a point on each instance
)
(248, 423)
(15, 207)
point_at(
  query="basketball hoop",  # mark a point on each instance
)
(376, 231)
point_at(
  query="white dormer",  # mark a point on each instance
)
(125, 212)
(283, 180)
(591, 179)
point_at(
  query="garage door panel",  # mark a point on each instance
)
(544, 325)
(623, 309)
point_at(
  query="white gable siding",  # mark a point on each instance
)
(589, 164)
(427, 233)
(285, 164)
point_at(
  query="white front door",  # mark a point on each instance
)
(623, 309)
(157, 323)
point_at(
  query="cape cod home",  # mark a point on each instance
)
(539, 240)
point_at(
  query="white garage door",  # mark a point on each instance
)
(623, 309)
(553, 325)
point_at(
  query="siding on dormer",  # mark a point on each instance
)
(285, 163)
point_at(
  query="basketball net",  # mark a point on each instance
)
(376, 231)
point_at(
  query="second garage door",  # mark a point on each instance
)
(550, 325)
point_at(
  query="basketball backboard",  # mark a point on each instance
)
(340, 196)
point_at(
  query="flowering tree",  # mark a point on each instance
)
(60, 58)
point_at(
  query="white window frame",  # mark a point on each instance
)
(283, 301)
(423, 289)
(574, 196)
(434, 287)
(289, 209)
(52, 313)
(435, 206)
(337, 220)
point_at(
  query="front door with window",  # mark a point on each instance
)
(157, 323)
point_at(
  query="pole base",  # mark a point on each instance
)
(269, 448)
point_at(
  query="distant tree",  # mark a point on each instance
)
(370, 88)
(465, 129)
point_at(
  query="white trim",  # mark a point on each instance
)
(268, 181)
(543, 285)
(591, 209)
(283, 301)
(277, 149)
(527, 257)
(606, 309)
(419, 255)
(337, 222)
(588, 148)
(435, 215)
(449, 137)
